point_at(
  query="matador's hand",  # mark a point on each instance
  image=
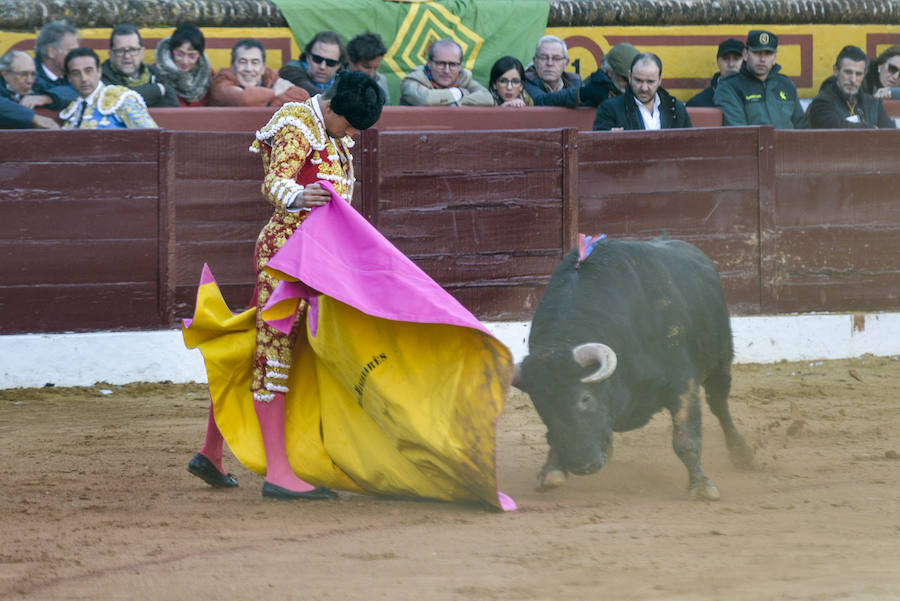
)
(314, 195)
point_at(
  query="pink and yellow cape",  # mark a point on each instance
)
(396, 388)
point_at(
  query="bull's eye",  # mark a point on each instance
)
(585, 403)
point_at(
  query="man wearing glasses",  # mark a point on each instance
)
(322, 59)
(125, 67)
(442, 81)
(758, 94)
(19, 95)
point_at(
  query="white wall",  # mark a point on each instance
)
(33, 360)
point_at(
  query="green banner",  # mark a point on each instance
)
(486, 29)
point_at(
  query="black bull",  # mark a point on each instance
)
(635, 328)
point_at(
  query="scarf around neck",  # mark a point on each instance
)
(191, 85)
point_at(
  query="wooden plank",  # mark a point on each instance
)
(78, 146)
(682, 144)
(78, 307)
(89, 213)
(514, 268)
(215, 155)
(675, 212)
(472, 231)
(837, 151)
(438, 191)
(837, 198)
(652, 174)
(35, 262)
(467, 153)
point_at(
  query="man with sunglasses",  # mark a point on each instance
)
(758, 94)
(125, 67)
(322, 59)
(442, 81)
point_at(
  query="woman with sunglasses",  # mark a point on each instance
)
(183, 65)
(883, 78)
(507, 83)
(315, 71)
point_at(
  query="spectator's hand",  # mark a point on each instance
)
(314, 195)
(882, 93)
(281, 86)
(515, 103)
(42, 122)
(595, 90)
(33, 100)
(616, 129)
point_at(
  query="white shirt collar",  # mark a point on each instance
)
(651, 118)
(93, 96)
(50, 74)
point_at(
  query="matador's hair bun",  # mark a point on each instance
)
(358, 98)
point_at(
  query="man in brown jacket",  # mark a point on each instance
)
(249, 82)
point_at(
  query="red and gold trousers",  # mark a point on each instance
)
(274, 349)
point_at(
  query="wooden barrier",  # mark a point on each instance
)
(110, 229)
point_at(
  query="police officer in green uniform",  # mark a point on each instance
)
(758, 94)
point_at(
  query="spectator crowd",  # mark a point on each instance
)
(625, 90)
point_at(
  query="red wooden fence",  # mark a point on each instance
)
(109, 230)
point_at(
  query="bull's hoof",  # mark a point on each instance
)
(550, 479)
(703, 491)
(742, 456)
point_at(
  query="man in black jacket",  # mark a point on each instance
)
(841, 103)
(644, 105)
(728, 59)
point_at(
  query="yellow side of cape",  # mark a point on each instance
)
(377, 406)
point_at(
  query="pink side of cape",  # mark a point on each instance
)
(336, 252)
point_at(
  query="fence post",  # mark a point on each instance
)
(166, 228)
(370, 175)
(767, 233)
(570, 204)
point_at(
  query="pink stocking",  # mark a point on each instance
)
(278, 468)
(213, 446)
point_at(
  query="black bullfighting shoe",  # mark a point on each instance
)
(319, 493)
(204, 469)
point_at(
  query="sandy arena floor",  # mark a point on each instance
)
(96, 503)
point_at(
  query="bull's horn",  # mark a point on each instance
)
(594, 352)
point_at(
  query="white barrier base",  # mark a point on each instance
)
(33, 360)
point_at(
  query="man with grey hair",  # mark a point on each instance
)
(18, 98)
(546, 79)
(54, 41)
(549, 84)
(442, 81)
(645, 105)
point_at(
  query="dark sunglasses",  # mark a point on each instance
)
(328, 61)
(893, 69)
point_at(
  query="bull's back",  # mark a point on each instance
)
(639, 292)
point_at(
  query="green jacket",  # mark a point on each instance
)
(745, 100)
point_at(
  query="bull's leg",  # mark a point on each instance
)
(718, 385)
(551, 475)
(687, 442)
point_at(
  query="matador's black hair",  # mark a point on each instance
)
(358, 98)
